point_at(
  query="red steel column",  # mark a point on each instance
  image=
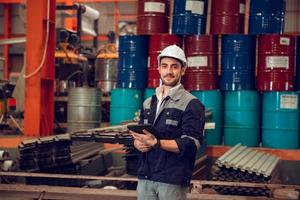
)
(39, 88)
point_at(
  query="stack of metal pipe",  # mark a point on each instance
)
(243, 164)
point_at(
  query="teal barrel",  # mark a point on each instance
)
(280, 123)
(124, 105)
(212, 99)
(148, 92)
(241, 118)
(84, 108)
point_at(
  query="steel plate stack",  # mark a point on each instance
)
(243, 164)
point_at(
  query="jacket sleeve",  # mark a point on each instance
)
(193, 121)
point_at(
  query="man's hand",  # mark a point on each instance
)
(141, 146)
(143, 142)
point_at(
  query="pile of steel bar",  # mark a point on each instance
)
(114, 134)
(57, 154)
(243, 164)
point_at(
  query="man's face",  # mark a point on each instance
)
(170, 71)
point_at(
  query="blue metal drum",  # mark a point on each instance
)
(212, 100)
(132, 78)
(238, 62)
(133, 62)
(188, 24)
(280, 120)
(235, 80)
(189, 17)
(241, 118)
(298, 64)
(133, 43)
(266, 16)
(124, 105)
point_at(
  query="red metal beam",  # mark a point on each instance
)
(39, 88)
(6, 33)
(11, 1)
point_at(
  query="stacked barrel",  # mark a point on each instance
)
(126, 99)
(274, 78)
(156, 44)
(212, 99)
(237, 70)
(201, 78)
(276, 81)
(275, 75)
(241, 101)
(276, 66)
(153, 22)
(246, 80)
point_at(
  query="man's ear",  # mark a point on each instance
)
(183, 70)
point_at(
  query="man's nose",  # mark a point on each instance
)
(169, 69)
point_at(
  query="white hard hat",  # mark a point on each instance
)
(173, 51)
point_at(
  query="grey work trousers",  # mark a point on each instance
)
(150, 190)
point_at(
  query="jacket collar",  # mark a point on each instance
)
(174, 93)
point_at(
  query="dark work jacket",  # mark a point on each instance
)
(180, 117)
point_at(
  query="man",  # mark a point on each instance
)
(167, 161)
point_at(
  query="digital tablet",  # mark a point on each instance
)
(138, 128)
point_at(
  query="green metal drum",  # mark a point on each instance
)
(280, 123)
(241, 118)
(125, 105)
(212, 100)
